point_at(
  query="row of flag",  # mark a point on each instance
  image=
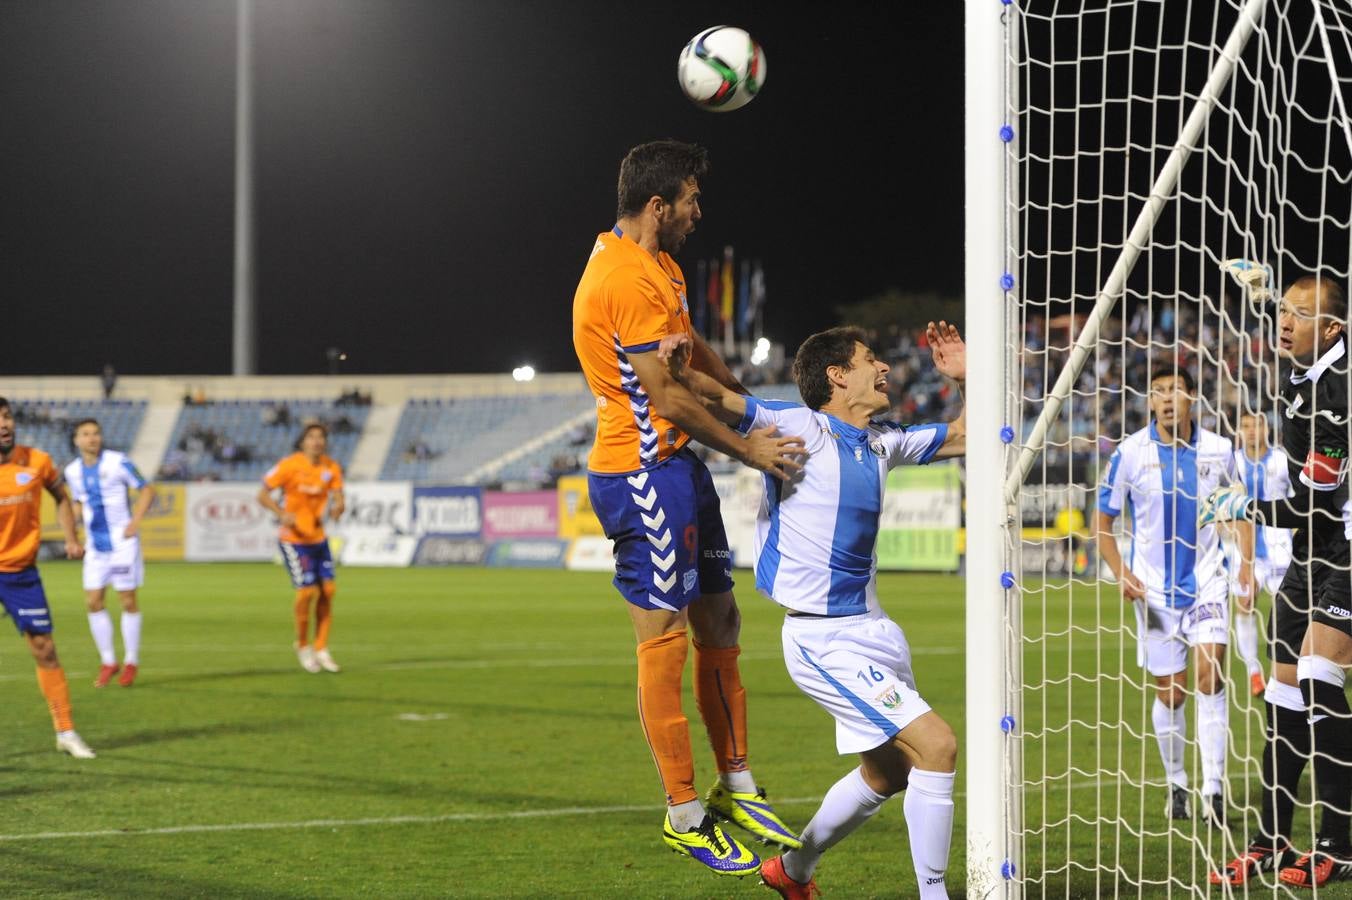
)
(727, 298)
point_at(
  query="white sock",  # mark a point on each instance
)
(1246, 641)
(131, 638)
(847, 805)
(101, 627)
(738, 782)
(1213, 732)
(1171, 731)
(686, 816)
(929, 821)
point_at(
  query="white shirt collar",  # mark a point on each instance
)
(1331, 356)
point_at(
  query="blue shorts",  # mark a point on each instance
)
(25, 601)
(308, 563)
(670, 546)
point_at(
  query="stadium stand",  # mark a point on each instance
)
(46, 424)
(445, 439)
(238, 440)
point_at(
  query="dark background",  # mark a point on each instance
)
(431, 175)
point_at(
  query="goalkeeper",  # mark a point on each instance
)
(1311, 648)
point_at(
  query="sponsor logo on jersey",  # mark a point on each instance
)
(878, 449)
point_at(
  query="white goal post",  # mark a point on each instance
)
(1118, 154)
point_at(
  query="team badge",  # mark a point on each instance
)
(326, 475)
(688, 580)
(22, 477)
(858, 454)
(890, 698)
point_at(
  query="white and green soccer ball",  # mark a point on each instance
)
(721, 69)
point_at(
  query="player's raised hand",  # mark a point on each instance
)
(778, 456)
(675, 350)
(948, 349)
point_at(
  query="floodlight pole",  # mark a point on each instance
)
(245, 349)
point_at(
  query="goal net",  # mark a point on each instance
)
(1148, 145)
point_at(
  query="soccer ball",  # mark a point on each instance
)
(721, 69)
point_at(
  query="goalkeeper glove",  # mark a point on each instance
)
(1226, 504)
(1254, 277)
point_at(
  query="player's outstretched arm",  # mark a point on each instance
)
(726, 405)
(949, 353)
(761, 449)
(704, 359)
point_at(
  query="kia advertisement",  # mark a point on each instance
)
(225, 522)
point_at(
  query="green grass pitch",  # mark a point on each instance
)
(481, 741)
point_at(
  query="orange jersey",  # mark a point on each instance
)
(626, 303)
(305, 494)
(22, 481)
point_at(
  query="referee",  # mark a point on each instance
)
(1311, 627)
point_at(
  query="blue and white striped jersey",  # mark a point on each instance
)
(1161, 484)
(101, 491)
(1268, 478)
(816, 534)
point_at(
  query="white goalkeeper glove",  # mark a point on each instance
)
(1225, 504)
(1254, 277)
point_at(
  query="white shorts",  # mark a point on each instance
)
(122, 567)
(858, 668)
(1268, 571)
(1164, 635)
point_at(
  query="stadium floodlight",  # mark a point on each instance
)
(1140, 178)
(760, 354)
(523, 373)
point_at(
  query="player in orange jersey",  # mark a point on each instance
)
(24, 473)
(656, 501)
(311, 483)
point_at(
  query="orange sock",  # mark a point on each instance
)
(722, 704)
(52, 682)
(661, 665)
(324, 613)
(304, 597)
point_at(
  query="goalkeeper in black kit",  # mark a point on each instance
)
(1310, 632)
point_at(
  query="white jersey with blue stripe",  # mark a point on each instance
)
(1268, 478)
(1160, 485)
(816, 533)
(101, 491)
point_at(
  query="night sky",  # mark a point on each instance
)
(431, 175)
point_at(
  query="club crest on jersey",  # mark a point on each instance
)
(326, 475)
(890, 698)
(858, 454)
(688, 580)
(684, 304)
(23, 477)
